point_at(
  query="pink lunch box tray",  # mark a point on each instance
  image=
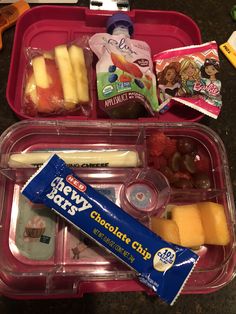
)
(42, 256)
(47, 26)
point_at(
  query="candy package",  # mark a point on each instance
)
(190, 76)
(126, 84)
(56, 82)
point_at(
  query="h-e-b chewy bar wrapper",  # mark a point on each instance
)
(160, 265)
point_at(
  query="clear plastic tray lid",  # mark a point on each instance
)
(49, 256)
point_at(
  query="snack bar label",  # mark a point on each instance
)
(160, 265)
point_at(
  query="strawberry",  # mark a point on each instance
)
(158, 162)
(170, 147)
(182, 175)
(51, 98)
(156, 144)
(182, 180)
(29, 108)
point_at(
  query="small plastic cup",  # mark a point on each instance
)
(146, 194)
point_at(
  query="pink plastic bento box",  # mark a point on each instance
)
(42, 256)
(45, 27)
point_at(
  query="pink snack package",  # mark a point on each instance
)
(189, 76)
(56, 82)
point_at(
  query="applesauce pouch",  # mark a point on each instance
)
(126, 84)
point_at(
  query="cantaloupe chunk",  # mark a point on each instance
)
(214, 223)
(166, 229)
(188, 220)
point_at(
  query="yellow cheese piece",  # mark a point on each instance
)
(214, 223)
(166, 229)
(188, 220)
(79, 67)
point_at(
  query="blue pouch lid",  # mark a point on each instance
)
(119, 19)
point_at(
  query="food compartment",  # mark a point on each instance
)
(82, 146)
(195, 163)
(41, 254)
(48, 26)
(79, 249)
(71, 259)
(46, 249)
(188, 162)
(33, 232)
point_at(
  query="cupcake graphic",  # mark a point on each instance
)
(35, 227)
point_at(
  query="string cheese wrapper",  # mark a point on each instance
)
(161, 266)
(79, 159)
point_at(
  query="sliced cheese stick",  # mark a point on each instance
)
(112, 158)
(79, 67)
(67, 77)
(40, 72)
